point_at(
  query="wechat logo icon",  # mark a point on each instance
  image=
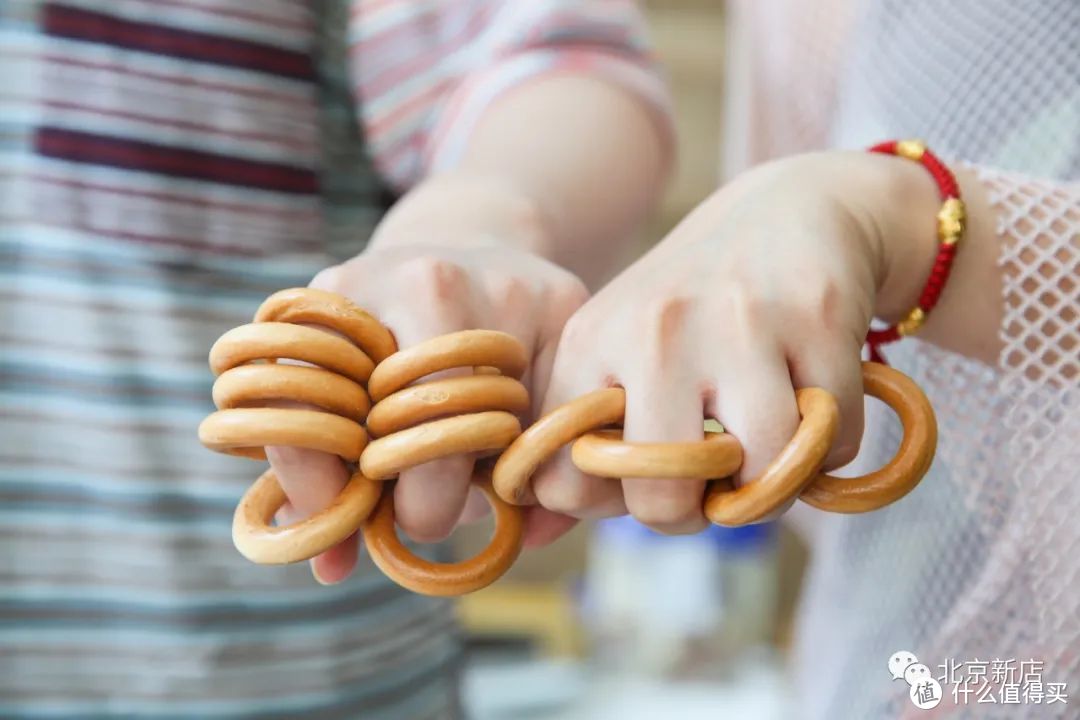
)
(923, 689)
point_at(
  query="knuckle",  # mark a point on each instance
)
(665, 318)
(735, 309)
(571, 293)
(330, 279)
(827, 305)
(441, 278)
(665, 315)
(823, 305)
(748, 306)
(510, 293)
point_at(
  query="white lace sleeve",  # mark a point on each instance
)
(1039, 229)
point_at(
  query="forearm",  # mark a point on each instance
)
(567, 167)
(968, 316)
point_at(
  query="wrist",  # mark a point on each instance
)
(899, 202)
(463, 209)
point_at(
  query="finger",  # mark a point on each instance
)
(543, 527)
(476, 507)
(836, 367)
(564, 490)
(312, 480)
(560, 301)
(429, 498)
(558, 485)
(665, 410)
(337, 563)
(754, 401)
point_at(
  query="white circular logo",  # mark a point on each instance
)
(925, 694)
(916, 673)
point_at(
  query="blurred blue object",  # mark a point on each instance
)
(748, 538)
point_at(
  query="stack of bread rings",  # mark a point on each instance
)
(326, 404)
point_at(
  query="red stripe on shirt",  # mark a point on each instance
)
(72, 23)
(114, 152)
(255, 17)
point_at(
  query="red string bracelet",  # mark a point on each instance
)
(950, 230)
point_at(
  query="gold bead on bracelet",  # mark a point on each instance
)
(911, 324)
(951, 220)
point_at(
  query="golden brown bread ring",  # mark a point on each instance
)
(788, 474)
(541, 440)
(384, 458)
(437, 419)
(309, 305)
(272, 340)
(246, 431)
(442, 398)
(912, 460)
(249, 384)
(476, 414)
(334, 386)
(261, 542)
(468, 348)
(604, 453)
(795, 471)
(444, 579)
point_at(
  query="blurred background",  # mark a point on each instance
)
(613, 621)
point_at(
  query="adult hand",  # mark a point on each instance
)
(449, 258)
(770, 285)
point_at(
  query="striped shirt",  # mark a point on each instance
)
(166, 164)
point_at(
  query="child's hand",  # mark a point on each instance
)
(770, 285)
(429, 273)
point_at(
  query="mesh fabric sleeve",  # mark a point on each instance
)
(1038, 226)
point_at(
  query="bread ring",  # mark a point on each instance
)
(566, 423)
(904, 471)
(606, 454)
(468, 348)
(245, 431)
(445, 579)
(319, 307)
(261, 542)
(263, 341)
(788, 474)
(385, 457)
(441, 398)
(250, 384)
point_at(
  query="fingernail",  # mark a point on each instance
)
(318, 578)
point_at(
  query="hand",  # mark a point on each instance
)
(450, 257)
(769, 286)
